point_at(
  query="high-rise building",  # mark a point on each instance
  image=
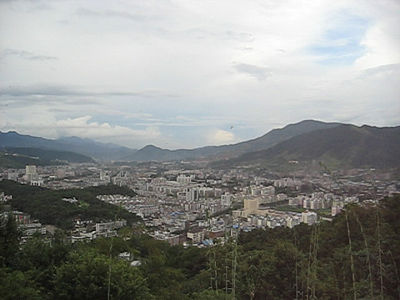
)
(30, 173)
(309, 217)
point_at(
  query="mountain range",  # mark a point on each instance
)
(96, 150)
(20, 157)
(266, 141)
(341, 146)
(335, 144)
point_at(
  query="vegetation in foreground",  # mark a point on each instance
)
(357, 256)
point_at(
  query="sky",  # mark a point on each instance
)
(184, 74)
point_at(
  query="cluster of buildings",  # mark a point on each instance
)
(182, 202)
(253, 215)
(87, 230)
(25, 224)
(4, 197)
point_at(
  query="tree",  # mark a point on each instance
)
(85, 276)
(16, 285)
(9, 240)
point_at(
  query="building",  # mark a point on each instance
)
(31, 173)
(183, 179)
(105, 176)
(226, 199)
(109, 226)
(309, 217)
(251, 205)
(196, 235)
(268, 191)
(292, 221)
(335, 210)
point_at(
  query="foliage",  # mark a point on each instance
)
(312, 262)
(9, 240)
(47, 205)
(85, 275)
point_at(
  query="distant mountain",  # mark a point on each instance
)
(19, 157)
(341, 146)
(266, 141)
(96, 150)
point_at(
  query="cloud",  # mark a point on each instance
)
(381, 70)
(62, 90)
(261, 73)
(220, 137)
(110, 13)
(83, 127)
(140, 64)
(26, 55)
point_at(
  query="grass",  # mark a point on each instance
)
(290, 208)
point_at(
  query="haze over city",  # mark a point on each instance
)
(182, 74)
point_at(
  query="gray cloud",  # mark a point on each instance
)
(261, 73)
(48, 101)
(26, 55)
(390, 68)
(138, 64)
(240, 36)
(111, 14)
(54, 90)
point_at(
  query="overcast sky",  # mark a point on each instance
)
(193, 73)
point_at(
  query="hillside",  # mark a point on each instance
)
(356, 256)
(96, 150)
(46, 205)
(20, 157)
(266, 141)
(341, 146)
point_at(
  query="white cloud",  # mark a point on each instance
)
(220, 137)
(159, 70)
(83, 127)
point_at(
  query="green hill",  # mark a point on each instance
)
(342, 146)
(273, 137)
(356, 256)
(47, 206)
(99, 151)
(12, 157)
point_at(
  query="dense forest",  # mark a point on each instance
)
(47, 206)
(357, 256)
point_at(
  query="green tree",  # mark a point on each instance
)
(16, 285)
(9, 240)
(85, 275)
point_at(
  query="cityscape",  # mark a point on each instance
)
(199, 150)
(198, 205)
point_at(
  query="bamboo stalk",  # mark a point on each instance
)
(396, 272)
(351, 257)
(371, 283)
(378, 227)
(309, 265)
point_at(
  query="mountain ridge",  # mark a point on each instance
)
(11, 157)
(84, 146)
(265, 141)
(344, 145)
(233, 152)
